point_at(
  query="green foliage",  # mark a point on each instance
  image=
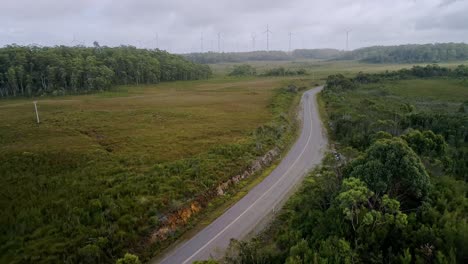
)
(391, 167)
(128, 259)
(87, 201)
(338, 83)
(281, 71)
(412, 53)
(36, 71)
(364, 107)
(215, 57)
(426, 143)
(385, 205)
(241, 252)
(206, 262)
(464, 107)
(243, 70)
(323, 54)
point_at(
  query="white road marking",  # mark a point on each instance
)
(263, 195)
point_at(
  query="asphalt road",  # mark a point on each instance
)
(264, 199)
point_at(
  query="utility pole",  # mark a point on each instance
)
(219, 42)
(268, 37)
(347, 38)
(37, 113)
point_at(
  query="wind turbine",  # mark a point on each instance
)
(347, 38)
(219, 42)
(268, 37)
(254, 36)
(201, 42)
(157, 41)
(290, 36)
(74, 40)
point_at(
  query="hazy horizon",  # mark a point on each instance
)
(177, 27)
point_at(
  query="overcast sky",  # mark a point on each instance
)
(179, 24)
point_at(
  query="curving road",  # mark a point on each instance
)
(261, 202)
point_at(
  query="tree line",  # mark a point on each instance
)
(218, 57)
(35, 71)
(248, 70)
(339, 82)
(412, 53)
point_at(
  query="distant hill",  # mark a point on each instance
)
(322, 54)
(215, 57)
(411, 53)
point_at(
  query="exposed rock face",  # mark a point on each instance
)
(174, 220)
(256, 166)
(180, 218)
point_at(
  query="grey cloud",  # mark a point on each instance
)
(452, 15)
(180, 23)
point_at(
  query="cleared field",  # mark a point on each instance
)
(151, 124)
(320, 69)
(100, 170)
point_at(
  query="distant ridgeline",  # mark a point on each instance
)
(215, 57)
(412, 53)
(33, 71)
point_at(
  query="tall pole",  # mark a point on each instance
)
(37, 113)
(157, 41)
(201, 42)
(253, 41)
(268, 38)
(219, 42)
(347, 39)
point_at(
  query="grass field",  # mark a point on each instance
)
(141, 124)
(318, 69)
(100, 170)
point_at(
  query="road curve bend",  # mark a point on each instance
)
(259, 204)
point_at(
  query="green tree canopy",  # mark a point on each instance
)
(391, 167)
(129, 259)
(35, 71)
(426, 143)
(243, 70)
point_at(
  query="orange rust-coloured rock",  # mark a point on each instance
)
(181, 217)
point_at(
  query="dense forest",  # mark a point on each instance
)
(214, 57)
(248, 70)
(414, 53)
(35, 71)
(394, 188)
